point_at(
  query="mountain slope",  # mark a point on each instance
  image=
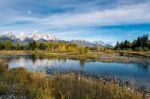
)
(90, 44)
(22, 37)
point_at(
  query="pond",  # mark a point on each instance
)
(137, 73)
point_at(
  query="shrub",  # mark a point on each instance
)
(3, 69)
(129, 49)
(83, 50)
(3, 88)
(146, 49)
(138, 49)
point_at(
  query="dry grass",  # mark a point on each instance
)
(66, 86)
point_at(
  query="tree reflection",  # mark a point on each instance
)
(33, 58)
(82, 63)
(143, 67)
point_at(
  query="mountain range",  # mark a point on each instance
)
(36, 36)
(23, 37)
(91, 44)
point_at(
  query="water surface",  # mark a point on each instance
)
(138, 73)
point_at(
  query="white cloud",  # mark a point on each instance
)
(132, 14)
(77, 22)
(123, 15)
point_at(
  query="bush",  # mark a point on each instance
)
(3, 69)
(83, 50)
(129, 49)
(138, 49)
(146, 49)
(3, 88)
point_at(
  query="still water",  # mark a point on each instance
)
(139, 73)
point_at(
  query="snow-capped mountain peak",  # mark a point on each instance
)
(21, 36)
(99, 43)
(47, 37)
(8, 34)
(30, 37)
(91, 44)
(35, 35)
(106, 44)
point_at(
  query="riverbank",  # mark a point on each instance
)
(125, 57)
(105, 56)
(19, 83)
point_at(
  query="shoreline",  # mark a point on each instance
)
(110, 57)
(61, 82)
(106, 79)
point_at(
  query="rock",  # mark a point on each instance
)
(10, 96)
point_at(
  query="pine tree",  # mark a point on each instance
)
(117, 46)
(8, 45)
(141, 43)
(1, 45)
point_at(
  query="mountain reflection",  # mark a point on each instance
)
(38, 64)
(35, 64)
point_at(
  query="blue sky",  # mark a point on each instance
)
(105, 20)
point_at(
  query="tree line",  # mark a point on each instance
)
(49, 46)
(140, 44)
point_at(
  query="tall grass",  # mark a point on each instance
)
(29, 85)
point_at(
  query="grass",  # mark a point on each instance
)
(134, 53)
(20, 82)
(69, 55)
(75, 55)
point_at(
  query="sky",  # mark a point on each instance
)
(103, 20)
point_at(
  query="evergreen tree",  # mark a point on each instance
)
(1, 45)
(145, 40)
(117, 46)
(126, 44)
(33, 45)
(141, 43)
(8, 45)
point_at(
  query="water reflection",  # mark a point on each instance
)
(82, 63)
(137, 73)
(37, 64)
(143, 67)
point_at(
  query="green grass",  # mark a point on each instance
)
(22, 83)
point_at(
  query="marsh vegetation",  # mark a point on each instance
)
(23, 84)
